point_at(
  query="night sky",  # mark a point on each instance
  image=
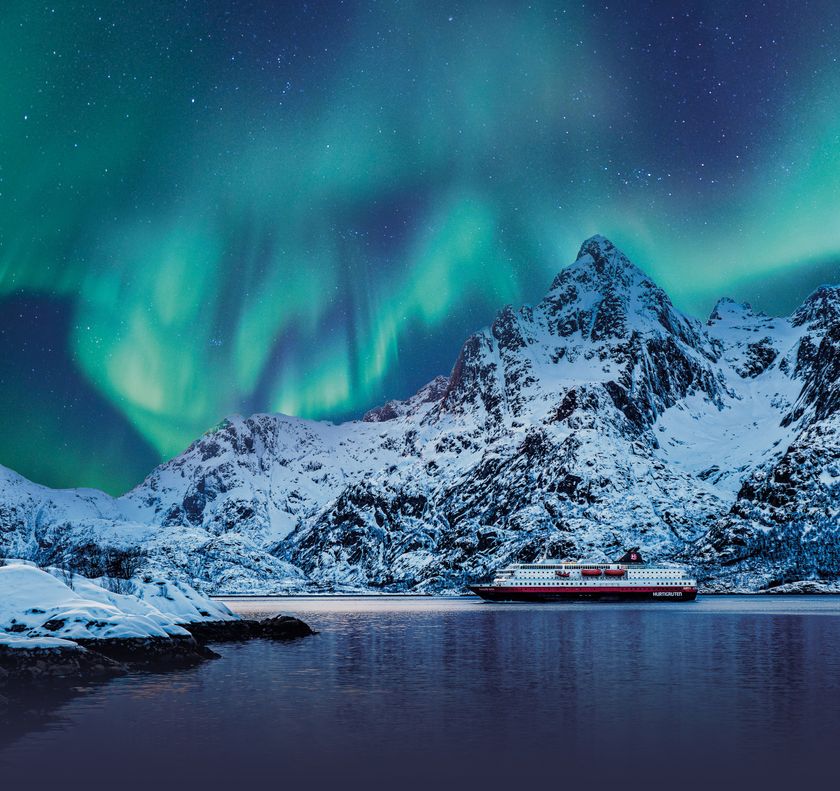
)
(219, 207)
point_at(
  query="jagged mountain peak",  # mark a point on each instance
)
(596, 245)
(603, 264)
(604, 321)
(728, 309)
(429, 393)
(605, 297)
(602, 252)
(602, 272)
(820, 310)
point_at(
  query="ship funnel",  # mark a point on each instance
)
(632, 555)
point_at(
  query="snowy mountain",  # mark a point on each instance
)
(597, 419)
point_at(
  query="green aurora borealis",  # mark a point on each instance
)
(208, 208)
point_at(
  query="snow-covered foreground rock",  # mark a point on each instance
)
(41, 603)
(52, 621)
(57, 624)
(598, 419)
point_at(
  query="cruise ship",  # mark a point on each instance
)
(628, 579)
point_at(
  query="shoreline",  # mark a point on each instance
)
(36, 662)
(222, 597)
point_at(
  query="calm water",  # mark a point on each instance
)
(458, 693)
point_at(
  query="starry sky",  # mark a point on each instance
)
(219, 207)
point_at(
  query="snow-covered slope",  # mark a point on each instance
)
(785, 523)
(599, 418)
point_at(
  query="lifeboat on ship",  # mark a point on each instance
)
(615, 572)
(590, 572)
(561, 573)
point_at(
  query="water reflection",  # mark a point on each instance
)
(434, 694)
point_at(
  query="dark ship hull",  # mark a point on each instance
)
(584, 593)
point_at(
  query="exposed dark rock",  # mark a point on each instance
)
(221, 631)
(102, 658)
(760, 355)
(803, 587)
(44, 664)
(151, 652)
(280, 627)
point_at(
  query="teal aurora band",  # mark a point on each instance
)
(209, 208)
